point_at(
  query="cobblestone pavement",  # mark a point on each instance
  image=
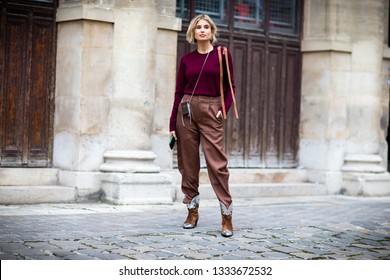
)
(326, 227)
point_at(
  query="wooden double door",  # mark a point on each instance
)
(264, 38)
(27, 80)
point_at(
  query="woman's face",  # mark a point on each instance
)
(203, 31)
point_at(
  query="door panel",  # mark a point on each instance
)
(272, 118)
(39, 106)
(235, 144)
(27, 61)
(292, 107)
(14, 56)
(255, 107)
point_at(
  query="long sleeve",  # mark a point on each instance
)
(179, 93)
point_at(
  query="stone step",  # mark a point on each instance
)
(366, 184)
(259, 190)
(248, 176)
(363, 163)
(28, 176)
(129, 162)
(37, 194)
(257, 183)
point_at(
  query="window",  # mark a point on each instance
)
(216, 9)
(281, 15)
(182, 9)
(249, 13)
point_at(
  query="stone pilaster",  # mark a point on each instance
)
(83, 87)
(342, 92)
(133, 55)
(167, 27)
(106, 119)
(132, 109)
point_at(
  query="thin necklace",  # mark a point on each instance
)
(206, 51)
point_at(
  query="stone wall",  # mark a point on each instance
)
(344, 116)
(165, 72)
(116, 64)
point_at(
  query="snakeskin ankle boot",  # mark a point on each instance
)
(227, 225)
(193, 215)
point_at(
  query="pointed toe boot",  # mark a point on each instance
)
(227, 225)
(193, 214)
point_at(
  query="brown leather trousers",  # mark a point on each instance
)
(206, 130)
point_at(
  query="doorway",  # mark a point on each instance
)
(27, 75)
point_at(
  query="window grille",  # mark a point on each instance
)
(216, 9)
(249, 13)
(182, 9)
(283, 16)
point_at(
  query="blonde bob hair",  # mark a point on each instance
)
(191, 29)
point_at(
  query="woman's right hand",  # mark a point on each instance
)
(173, 133)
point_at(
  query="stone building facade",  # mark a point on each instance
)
(115, 73)
(345, 96)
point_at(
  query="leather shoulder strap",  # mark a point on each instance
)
(221, 82)
(225, 52)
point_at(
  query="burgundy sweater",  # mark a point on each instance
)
(189, 68)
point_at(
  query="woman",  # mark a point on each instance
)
(197, 118)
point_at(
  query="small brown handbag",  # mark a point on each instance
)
(225, 54)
